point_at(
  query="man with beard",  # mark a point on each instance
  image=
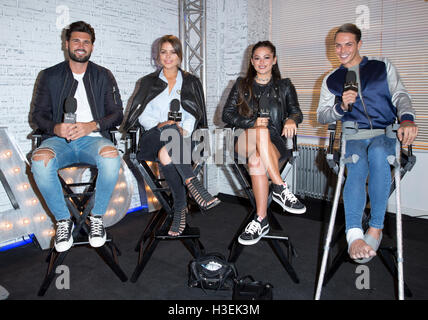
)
(85, 140)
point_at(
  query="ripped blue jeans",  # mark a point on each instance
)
(85, 150)
(372, 164)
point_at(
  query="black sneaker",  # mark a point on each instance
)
(97, 236)
(254, 231)
(63, 236)
(286, 199)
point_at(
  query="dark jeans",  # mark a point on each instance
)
(180, 169)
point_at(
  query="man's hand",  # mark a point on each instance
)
(74, 131)
(290, 128)
(63, 130)
(82, 129)
(407, 133)
(348, 97)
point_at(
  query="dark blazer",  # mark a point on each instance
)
(287, 107)
(57, 83)
(191, 96)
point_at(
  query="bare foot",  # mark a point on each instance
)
(359, 249)
(375, 233)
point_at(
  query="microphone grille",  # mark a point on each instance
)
(351, 76)
(263, 103)
(175, 105)
(70, 105)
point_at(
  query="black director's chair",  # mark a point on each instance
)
(157, 228)
(276, 236)
(389, 255)
(80, 205)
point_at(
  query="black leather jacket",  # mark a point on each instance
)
(57, 83)
(287, 106)
(191, 96)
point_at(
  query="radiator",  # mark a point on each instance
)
(315, 179)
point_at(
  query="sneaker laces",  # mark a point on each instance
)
(97, 227)
(253, 227)
(288, 195)
(62, 230)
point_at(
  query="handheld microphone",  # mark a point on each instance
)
(70, 107)
(350, 84)
(263, 110)
(174, 113)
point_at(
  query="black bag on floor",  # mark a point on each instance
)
(212, 271)
(247, 289)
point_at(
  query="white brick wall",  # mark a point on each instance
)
(30, 41)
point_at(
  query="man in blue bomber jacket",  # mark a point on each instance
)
(380, 100)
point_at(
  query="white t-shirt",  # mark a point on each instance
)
(83, 112)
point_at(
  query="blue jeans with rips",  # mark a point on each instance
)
(372, 162)
(85, 150)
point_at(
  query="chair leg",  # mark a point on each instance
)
(284, 260)
(235, 251)
(56, 259)
(154, 220)
(144, 257)
(110, 261)
(193, 245)
(339, 259)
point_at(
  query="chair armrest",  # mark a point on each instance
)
(36, 137)
(112, 132)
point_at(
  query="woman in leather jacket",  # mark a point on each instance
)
(266, 110)
(151, 107)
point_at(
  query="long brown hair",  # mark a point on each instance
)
(246, 85)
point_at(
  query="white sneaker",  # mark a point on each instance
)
(97, 236)
(286, 199)
(64, 235)
(254, 231)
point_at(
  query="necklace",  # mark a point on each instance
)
(263, 79)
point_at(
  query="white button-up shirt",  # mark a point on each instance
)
(157, 109)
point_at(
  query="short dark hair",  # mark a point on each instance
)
(349, 28)
(175, 43)
(80, 26)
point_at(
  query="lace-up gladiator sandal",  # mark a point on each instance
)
(202, 197)
(178, 222)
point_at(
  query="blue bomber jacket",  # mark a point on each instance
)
(382, 99)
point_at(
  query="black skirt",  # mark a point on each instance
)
(280, 142)
(150, 143)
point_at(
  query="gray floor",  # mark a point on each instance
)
(165, 277)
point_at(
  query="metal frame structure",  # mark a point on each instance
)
(192, 32)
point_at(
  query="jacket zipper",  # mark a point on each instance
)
(60, 96)
(93, 97)
(114, 95)
(364, 105)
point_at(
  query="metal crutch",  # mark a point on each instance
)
(395, 161)
(354, 158)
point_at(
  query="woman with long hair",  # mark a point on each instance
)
(151, 106)
(266, 109)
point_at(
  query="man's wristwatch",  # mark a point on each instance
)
(98, 127)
